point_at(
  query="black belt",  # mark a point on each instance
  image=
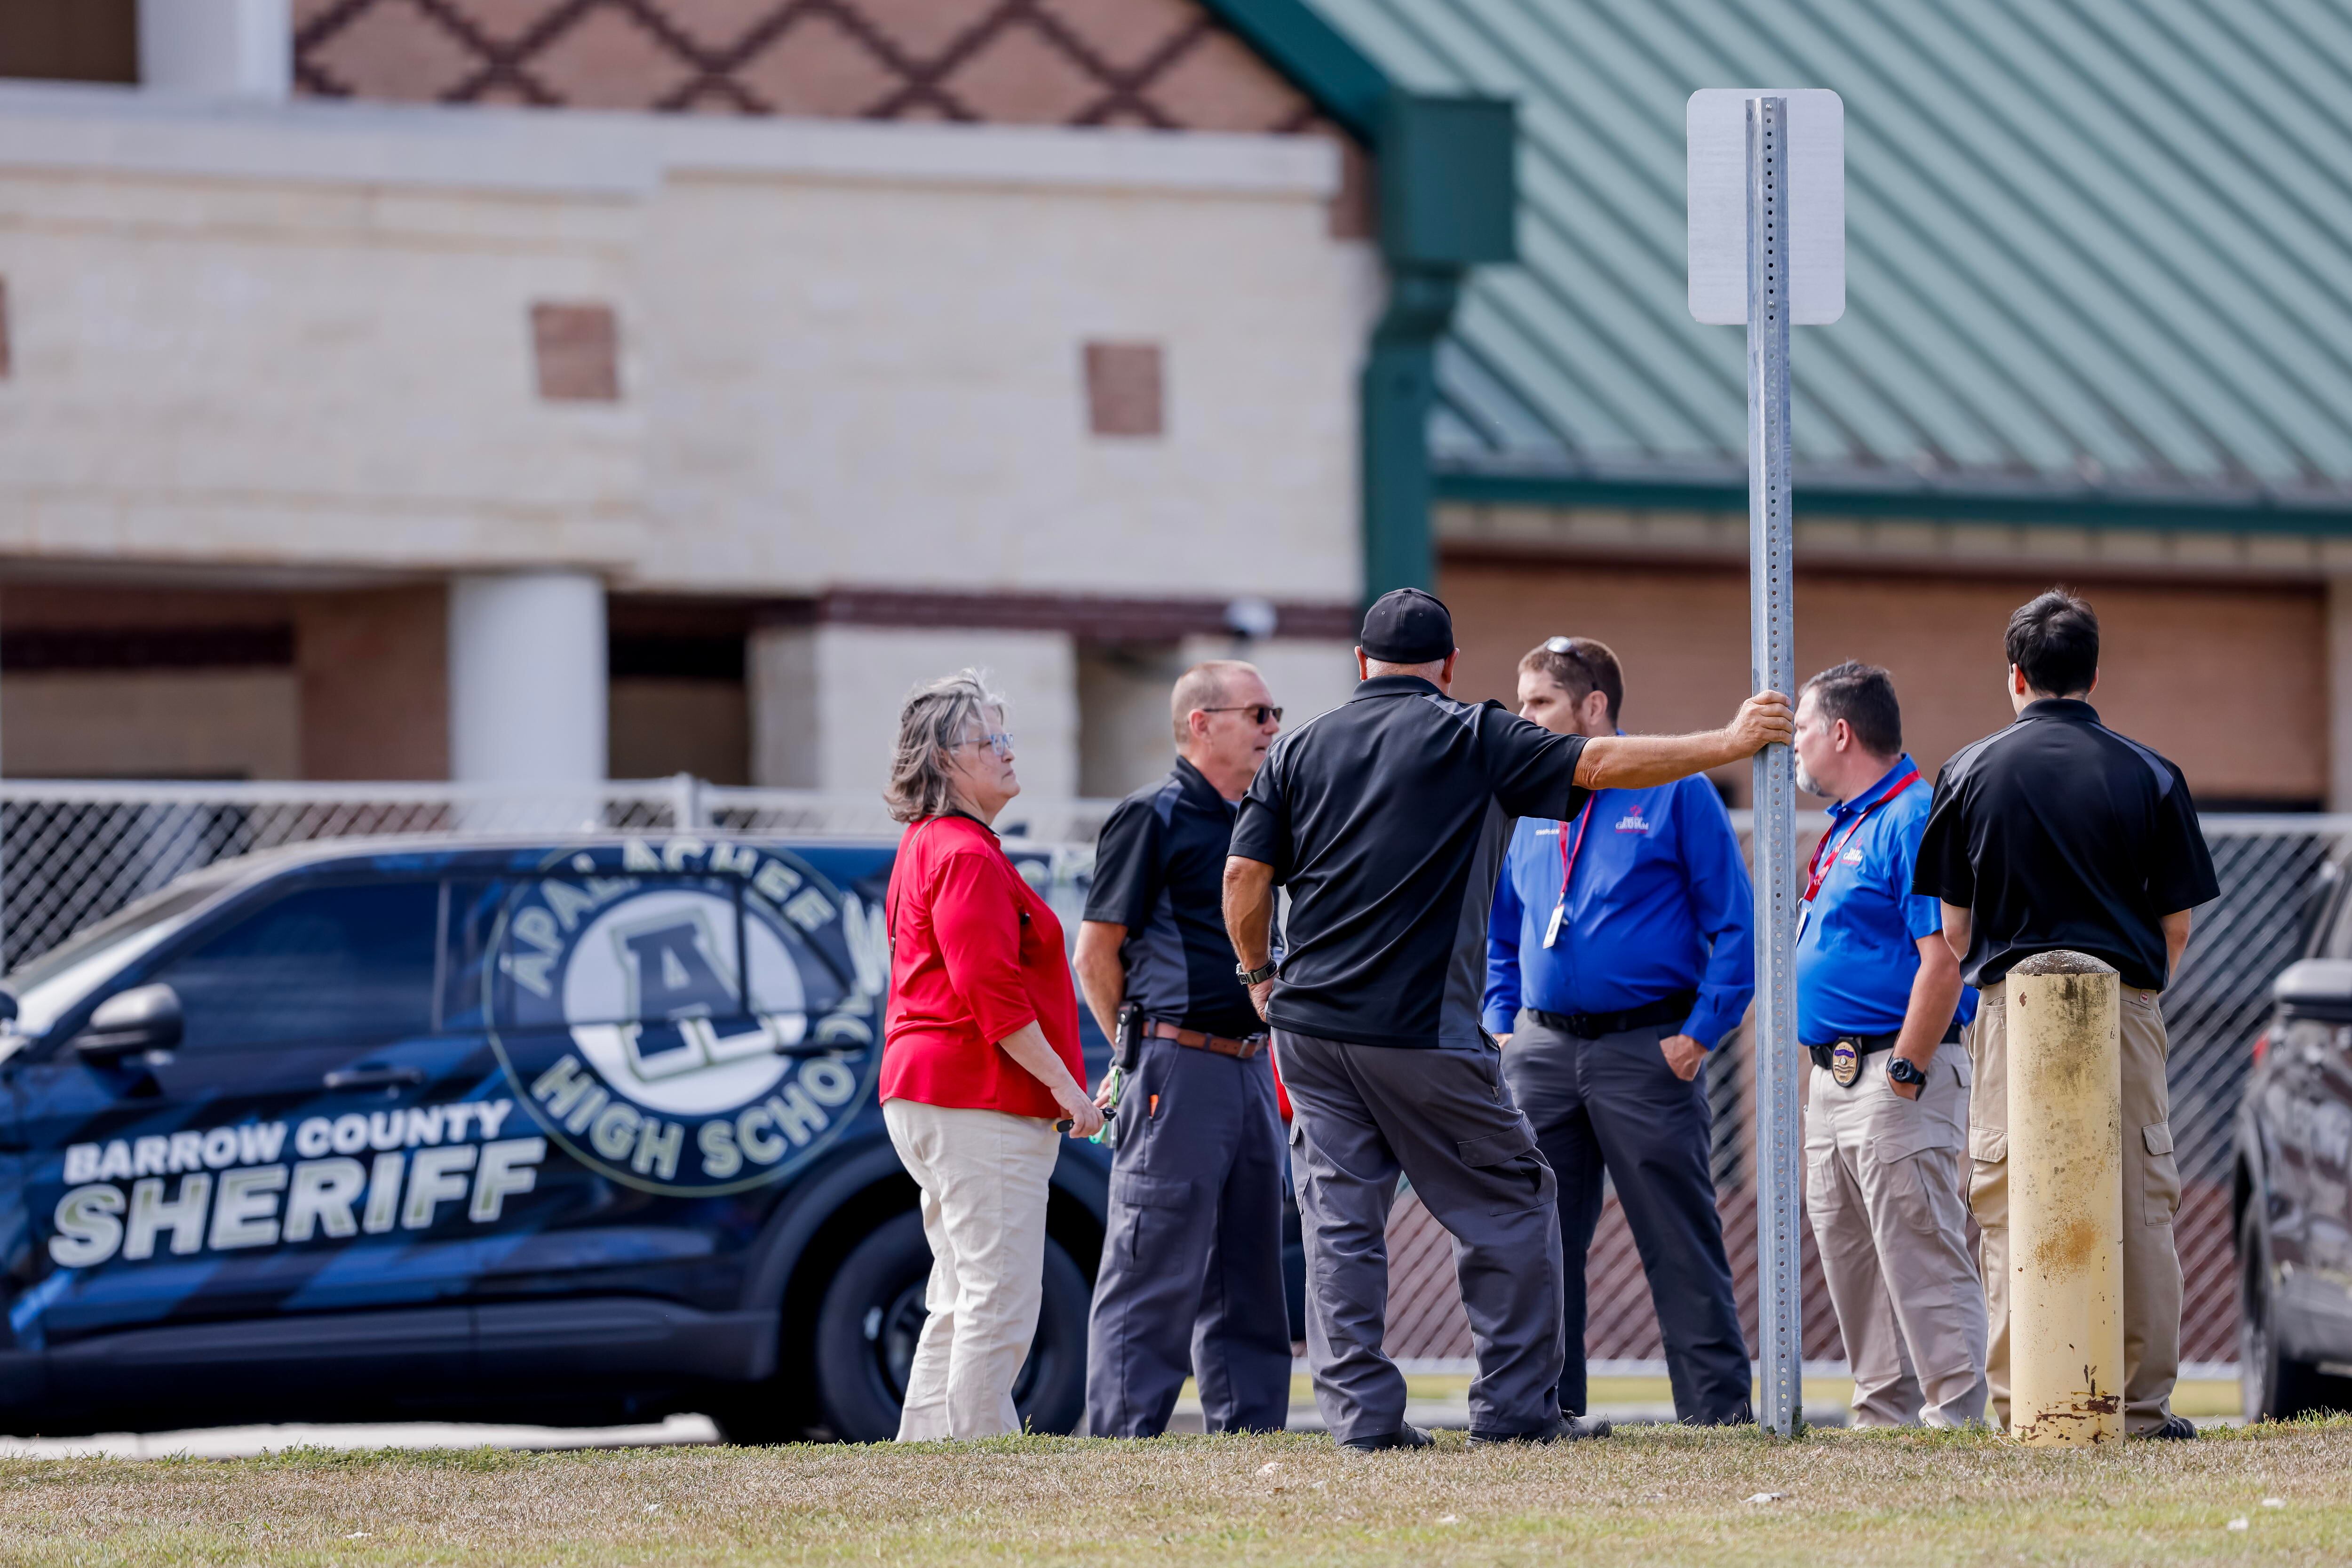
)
(1826, 1054)
(1673, 1009)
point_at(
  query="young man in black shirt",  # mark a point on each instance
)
(1387, 819)
(2058, 833)
(1190, 1281)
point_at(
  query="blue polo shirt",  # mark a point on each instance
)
(1858, 949)
(1658, 901)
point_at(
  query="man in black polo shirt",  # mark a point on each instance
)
(2057, 833)
(1191, 1279)
(1387, 819)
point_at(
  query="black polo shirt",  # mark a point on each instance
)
(1387, 819)
(1159, 871)
(2059, 833)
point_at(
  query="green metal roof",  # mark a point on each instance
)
(2099, 255)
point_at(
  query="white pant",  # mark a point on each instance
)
(984, 1178)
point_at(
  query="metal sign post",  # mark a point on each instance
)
(1773, 638)
(1768, 251)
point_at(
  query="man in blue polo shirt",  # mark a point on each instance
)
(1880, 1005)
(1619, 954)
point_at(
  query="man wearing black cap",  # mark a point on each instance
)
(1387, 819)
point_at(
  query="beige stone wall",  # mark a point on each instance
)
(885, 385)
(2230, 681)
(300, 337)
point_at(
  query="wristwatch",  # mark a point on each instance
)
(1258, 976)
(1903, 1070)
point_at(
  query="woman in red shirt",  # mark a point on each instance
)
(980, 1059)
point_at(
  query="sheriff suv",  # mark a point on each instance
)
(2294, 1185)
(577, 1131)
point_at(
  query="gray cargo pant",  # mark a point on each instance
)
(1443, 1118)
(1191, 1266)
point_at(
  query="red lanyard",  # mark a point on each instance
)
(1566, 855)
(1818, 871)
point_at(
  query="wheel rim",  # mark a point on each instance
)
(894, 1329)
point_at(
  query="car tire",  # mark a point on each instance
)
(872, 1313)
(2274, 1386)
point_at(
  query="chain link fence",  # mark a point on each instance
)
(73, 853)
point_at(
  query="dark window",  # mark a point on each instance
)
(326, 964)
(2338, 940)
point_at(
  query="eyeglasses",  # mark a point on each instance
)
(996, 741)
(1259, 713)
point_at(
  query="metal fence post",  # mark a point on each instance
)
(686, 803)
(1772, 654)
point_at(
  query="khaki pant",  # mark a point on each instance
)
(2151, 1182)
(983, 1176)
(1882, 1188)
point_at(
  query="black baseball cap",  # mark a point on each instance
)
(1406, 625)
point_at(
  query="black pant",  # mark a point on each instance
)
(1614, 1104)
(1191, 1267)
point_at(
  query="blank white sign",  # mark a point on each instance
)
(1718, 204)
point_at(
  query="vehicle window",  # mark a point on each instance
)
(122, 926)
(325, 963)
(2338, 940)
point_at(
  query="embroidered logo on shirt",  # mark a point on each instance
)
(1633, 822)
(1851, 857)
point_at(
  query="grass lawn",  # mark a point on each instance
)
(1660, 1496)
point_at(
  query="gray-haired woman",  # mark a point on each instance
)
(980, 1059)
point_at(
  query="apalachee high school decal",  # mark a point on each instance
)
(708, 1053)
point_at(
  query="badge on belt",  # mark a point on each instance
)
(1845, 1063)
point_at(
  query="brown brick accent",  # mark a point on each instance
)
(1126, 391)
(2227, 681)
(577, 348)
(1160, 63)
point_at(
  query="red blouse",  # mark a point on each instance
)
(974, 954)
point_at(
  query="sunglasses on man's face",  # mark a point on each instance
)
(996, 741)
(1259, 713)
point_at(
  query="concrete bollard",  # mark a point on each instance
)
(2066, 1201)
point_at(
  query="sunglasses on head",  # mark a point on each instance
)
(1259, 713)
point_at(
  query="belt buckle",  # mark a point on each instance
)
(1846, 1062)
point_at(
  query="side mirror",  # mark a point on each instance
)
(143, 1018)
(2315, 988)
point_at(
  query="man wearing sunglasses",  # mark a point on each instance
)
(1191, 1282)
(1620, 953)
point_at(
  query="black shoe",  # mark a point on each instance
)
(1405, 1437)
(2176, 1430)
(1567, 1429)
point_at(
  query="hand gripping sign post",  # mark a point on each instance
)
(1767, 250)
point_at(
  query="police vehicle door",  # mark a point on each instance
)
(305, 1151)
(686, 1042)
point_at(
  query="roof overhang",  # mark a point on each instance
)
(1971, 499)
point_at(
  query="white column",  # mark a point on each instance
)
(230, 48)
(826, 699)
(2340, 693)
(526, 659)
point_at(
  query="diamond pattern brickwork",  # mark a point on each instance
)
(1161, 64)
